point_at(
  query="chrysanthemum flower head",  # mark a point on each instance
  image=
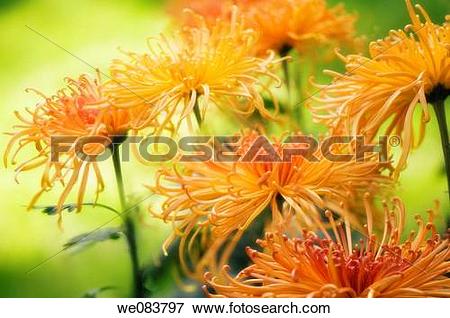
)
(403, 70)
(331, 265)
(300, 24)
(226, 197)
(210, 10)
(284, 24)
(78, 110)
(183, 75)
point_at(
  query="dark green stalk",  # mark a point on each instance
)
(439, 109)
(198, 116)
(284, 51)
(130, 231)
(287, 78)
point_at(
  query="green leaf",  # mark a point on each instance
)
(88, 239)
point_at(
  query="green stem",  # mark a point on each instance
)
(299, 117)
(130, 231)
(287, 79)
(439, 109)
(198, 116)
(106, 207)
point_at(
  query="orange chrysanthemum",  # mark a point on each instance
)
(210, 10)
(329, 265)
(406, 68)
(226, 197)
(79, 110)
(285, 24)
(197, 68)
(300, 24)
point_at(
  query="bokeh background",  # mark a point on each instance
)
(93, 30)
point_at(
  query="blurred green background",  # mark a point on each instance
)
(92, 30)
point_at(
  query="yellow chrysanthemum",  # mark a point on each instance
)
(284, 24)
(329, 265)
(406, 68)
(79, 110)
(196, 68)
(224, 198)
